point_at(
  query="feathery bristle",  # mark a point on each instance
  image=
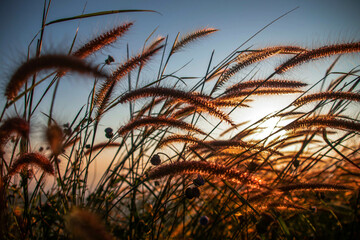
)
(55, 137)
(259, 91)
(158, 121)
(272, 83)
(245, 60)
(192, 37)
(204, 168)
(35, 159)
(102, 41)
(195, 99)
(231, 146)
(180, 138)
(60, 62)
(17, 125)
(324, 121)
(104, 94)
(327, 95)
(321, 52)
(313, 186)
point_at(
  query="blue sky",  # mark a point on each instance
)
(314, 23)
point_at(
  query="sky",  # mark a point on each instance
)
(314, 23)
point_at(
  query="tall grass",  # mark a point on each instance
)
(181, 166)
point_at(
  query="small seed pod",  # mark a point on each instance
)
(196, 192)
(109, 135)
(109, 60)
(296, 163)
(108, 130)
(189, 193)
(199, 181)
(87, 146)
(204, 220)
(252, 166)
(155, 160)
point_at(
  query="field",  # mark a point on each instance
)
(181, 163)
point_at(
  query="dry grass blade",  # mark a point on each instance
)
(324, 121)
(157, 121)
(327, 95)
(257, 56)
(34, 159)
(204, 168)
(102, 40)
(321, 52)
(60, 62)
(271, 83)
(192, 37)
(101, 146)
(259, 91)
(195, 99)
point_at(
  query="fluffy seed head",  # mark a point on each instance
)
(204, 168)
(11, 125)
(62, 63)
(157, 121)
(190, 37)
(102, 40)
(55, 137)
(33, 159)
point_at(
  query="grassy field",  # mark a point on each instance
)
(181, 166)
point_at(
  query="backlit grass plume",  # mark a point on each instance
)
(204, 168)
(102, 40)
(313, 186)
(44, 62)
(247, 59)
(259, 91)
(156, 122)
(13, 125)
(103, 95)
(190, 37)
(317, 53)
(55, 137)
(271, 83)
(324, 121)
(177, 138)
(188, 97)
(32, 159)
(351, 96)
